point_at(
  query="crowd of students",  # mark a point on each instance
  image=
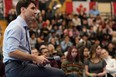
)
(77, 39)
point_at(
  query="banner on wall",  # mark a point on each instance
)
(70, 6)
(77, 7)
(7, 6)
(114, 8)
(80, 6)
(104, 10)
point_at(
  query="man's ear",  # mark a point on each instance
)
(22, 9)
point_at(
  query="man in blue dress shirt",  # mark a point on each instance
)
(94, 11)
(16, 47)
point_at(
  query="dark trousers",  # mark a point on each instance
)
(109, 75)
(71, 75)
(15, 69)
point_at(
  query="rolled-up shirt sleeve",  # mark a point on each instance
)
(13, 39)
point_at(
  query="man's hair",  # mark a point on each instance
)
(23, 3)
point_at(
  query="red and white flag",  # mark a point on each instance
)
(69, 7)
(78, 6)
(114, 8)
(91, 4)
(7, 6)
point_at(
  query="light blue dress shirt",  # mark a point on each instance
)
(94, 12)
(15, 38)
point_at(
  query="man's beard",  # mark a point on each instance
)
(31, 20)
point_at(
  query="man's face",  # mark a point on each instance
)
(30, 12)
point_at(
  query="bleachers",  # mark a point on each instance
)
(3, 25)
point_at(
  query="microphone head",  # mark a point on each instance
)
(54, 58)
(50, 58)
(57, 58)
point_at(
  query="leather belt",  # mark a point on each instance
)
(13, 61)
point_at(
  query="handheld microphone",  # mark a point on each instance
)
(54, 58)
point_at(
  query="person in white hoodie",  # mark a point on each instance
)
(111, 63)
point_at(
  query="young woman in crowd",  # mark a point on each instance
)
(72, 66)
(111, 63)
(95, 66)
(84, 55)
